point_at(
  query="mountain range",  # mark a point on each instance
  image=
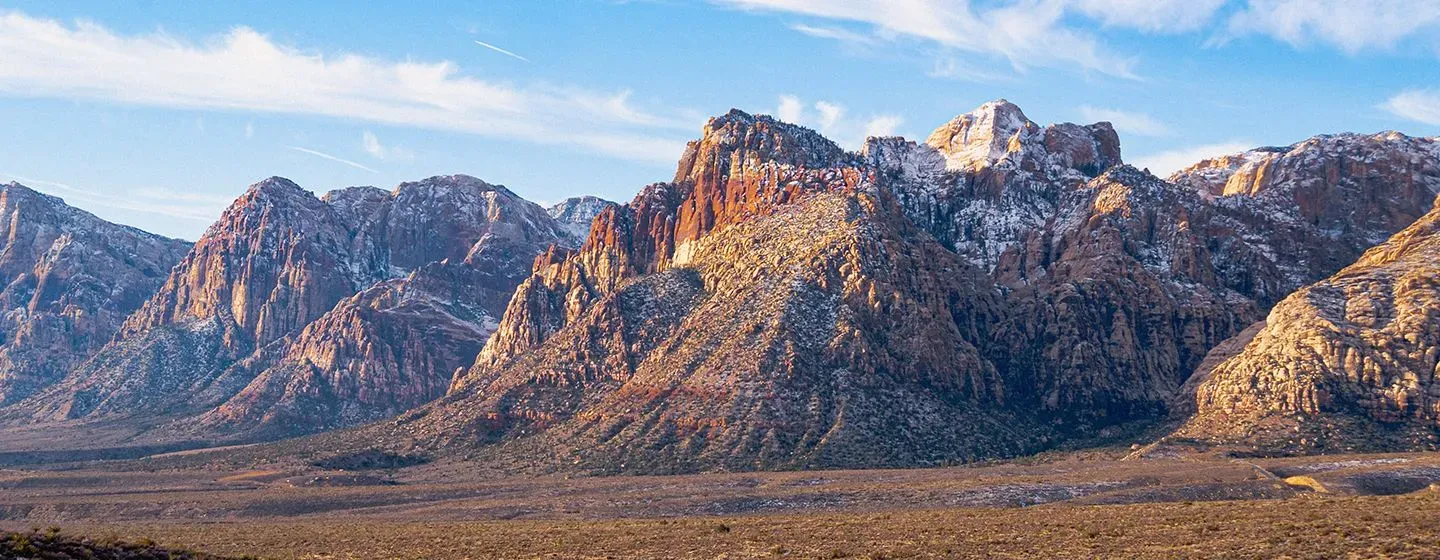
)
(1000, 289)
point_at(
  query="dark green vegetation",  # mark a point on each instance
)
(53, 544)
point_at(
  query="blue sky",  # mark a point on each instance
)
(157, 113)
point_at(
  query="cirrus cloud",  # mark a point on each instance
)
(1422, 106)
(245, 70)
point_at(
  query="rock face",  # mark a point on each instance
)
(1124, 290)
(295, 313)
(771, 308)
(782, 303)
(1084, 293)
(1348, 363)
(987, 178)
(1298, 214)
(578, 212)
(70, 279)
(1114, 301)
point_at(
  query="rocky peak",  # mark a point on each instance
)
(981, 137)
(281, 259)
(1320, 202)
(67, 281)
(576, 213)
(738, 137)
(999, 132)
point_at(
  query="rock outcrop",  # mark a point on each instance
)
(1081, 294)
(782, 303)
(69, 280)
(987, 178)
(1348, 363)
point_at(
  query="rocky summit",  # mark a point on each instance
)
(1002, 288)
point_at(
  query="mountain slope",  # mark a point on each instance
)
(1114, 301)
(69, 280)
(783, 304)
(1343, 364)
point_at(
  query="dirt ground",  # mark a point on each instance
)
(1368, 506)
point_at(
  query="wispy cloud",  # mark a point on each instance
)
(1350, 25)
(500, 50)
(172, 203)
(1163, 164)
(371, 144)
(324, 155)
(832, 120)
(1127, 122)
(1154, 16)
(245, 70)
(1422, 106)
(1025, 34)
(837, 34)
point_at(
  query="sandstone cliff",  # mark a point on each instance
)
(69, 280)
(1348, 363)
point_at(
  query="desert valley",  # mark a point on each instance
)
(720, 279)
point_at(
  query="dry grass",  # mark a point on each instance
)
(1314, 526)
(1201, 506)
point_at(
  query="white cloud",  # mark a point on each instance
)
(336, 159)
(1026, 33)
(838, 34)
(790, 109)
(954, 68)
(830, 114)
(1351, 25)
(249, 130)
(1421, 106)
(831, 120)
(1155, 16)
(884, 125)
(1127, 122)
(371, 144)
(1162, 164)
(245, 70)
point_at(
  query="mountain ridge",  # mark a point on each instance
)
(999, 289)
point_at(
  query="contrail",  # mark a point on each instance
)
(500, 50)
(332, 158)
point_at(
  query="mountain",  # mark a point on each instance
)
(1297, 214)
(578, 212)
(772, 307)
(986, 178)
(1002, 287)
(1345, 364)
(295, 313)
(69, 280)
